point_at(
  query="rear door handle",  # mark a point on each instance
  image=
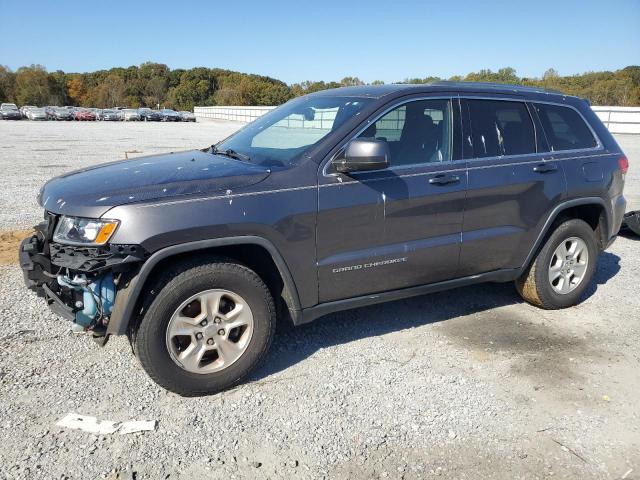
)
(444, 179)
(545, 168)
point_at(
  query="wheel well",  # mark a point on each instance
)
(593, 214)
(256, 257)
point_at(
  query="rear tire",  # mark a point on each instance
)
(164, 350)
(563, 268)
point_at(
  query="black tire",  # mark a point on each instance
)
(534, 285)
(186, 280)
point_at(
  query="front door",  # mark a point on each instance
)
(401, 226)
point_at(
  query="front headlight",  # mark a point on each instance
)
(84, 231)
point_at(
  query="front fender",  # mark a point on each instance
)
(127, 298)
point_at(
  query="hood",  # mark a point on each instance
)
(93, 191)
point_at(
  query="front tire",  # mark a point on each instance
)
(563, 269)
(207, 328)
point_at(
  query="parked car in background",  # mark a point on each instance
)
(25, 108)
(9, 111)
(148, 115)
(109, 115)
(169, 115)
(85, 115)
(187, 116)
(130, 115)
(60, 113)
(38, 114)
(98, 112)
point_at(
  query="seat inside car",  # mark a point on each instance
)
(418, 140)
(516, 140)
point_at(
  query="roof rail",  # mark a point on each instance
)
(496, 86)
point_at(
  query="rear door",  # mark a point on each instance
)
(398, 227)
(575, 145)
(513, 185)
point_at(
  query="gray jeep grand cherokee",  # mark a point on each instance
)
(335, 200)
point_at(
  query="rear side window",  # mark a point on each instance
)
(565, 128)
(501, 128)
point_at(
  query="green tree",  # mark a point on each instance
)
(7, 84)
(351, 82)
(156, 91)
(32, 86)
(111, 92)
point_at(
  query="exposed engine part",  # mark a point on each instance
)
(98, 296)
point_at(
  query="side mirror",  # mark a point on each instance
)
(308, 113)
(363, 154)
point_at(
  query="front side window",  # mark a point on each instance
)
(500, 128)
(279, 138)
(417, 132)
(564, 127)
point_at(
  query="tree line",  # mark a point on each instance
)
(155, 84)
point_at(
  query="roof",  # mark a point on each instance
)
(397, 89)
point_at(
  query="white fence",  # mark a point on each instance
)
(616, 119)
(620, 119)
(237, 114)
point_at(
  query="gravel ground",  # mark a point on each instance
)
(470, 383)
(33, 152)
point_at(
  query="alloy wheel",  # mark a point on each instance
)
(209, 331)
(568, 265)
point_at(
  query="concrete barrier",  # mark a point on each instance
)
(616, 119)
(620, 119)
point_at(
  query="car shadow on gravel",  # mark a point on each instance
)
(294, 345)
(608, 267)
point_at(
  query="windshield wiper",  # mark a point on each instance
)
(230, 153)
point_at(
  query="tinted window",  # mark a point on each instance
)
(417, 132)
(564, 127)
(501, 128)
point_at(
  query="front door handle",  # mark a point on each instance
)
(545, 168)
(444, 179)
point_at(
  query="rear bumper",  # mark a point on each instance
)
(618, 207)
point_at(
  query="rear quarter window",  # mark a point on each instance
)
(565, 128)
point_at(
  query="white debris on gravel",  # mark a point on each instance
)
(87, 424)
(469, 383)
(90, 424)
(135, 426)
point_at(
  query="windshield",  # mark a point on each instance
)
(283, 135)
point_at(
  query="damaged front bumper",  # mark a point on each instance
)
(79, 283)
